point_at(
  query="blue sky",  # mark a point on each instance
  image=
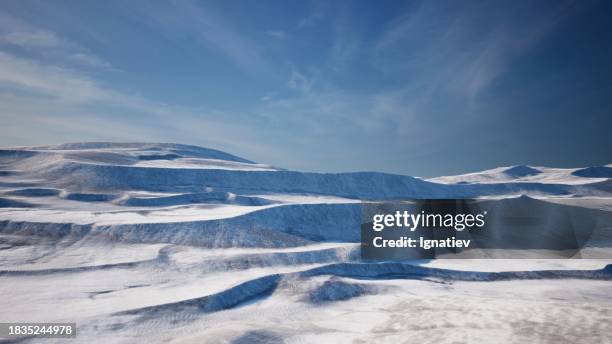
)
(420, 88)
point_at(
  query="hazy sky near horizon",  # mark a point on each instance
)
(422, 88)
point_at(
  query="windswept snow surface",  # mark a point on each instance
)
(148, 242)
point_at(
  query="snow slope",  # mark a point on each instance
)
(176, 243)
(530, 174)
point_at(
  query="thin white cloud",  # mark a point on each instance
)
(278, 34)
(61, 83)
(33, 39)
(452, 56)
(344, 48)
(300, 82)
(46, 43)
(89, 60)
(212, 30)
(313, 18)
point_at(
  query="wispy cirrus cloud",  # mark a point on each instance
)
(461, 52)
(212, 30)
(278, 34)
(60, 83)
(33, 39)
(47, 43)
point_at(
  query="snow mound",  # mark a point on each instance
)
(529, 174)
(230, 298)
(177, 149)
(125, 154)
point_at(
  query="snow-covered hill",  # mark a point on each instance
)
(530, 174)
(151, 241)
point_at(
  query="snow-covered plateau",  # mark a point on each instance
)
(150, 242)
